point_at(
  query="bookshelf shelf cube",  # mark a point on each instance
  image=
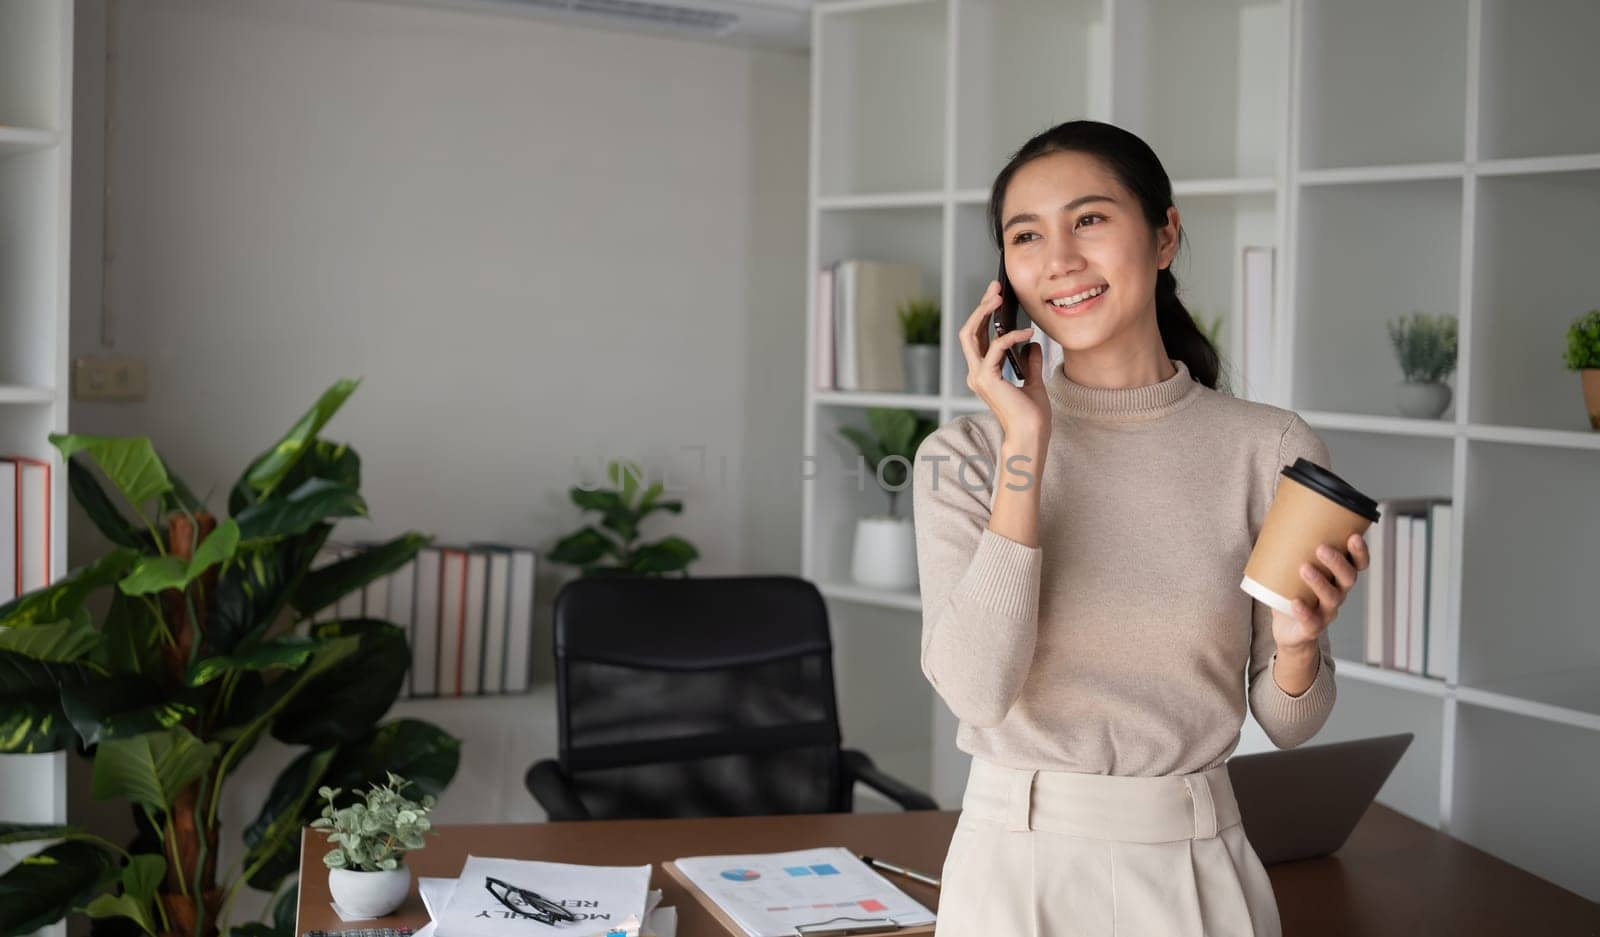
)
(1383, 83)
(1368, 254)
(1527, 289)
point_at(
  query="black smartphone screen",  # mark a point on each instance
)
(1004, 320)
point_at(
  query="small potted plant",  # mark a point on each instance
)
(1583, 356)
(1426, 348)
(611, 549)
(366, 872)
(919, 324)
(884, 553)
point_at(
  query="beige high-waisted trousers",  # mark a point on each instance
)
(1059, 854)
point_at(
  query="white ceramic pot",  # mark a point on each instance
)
(885, 553)
(1424, 401)
(921, 363)
(369, 894)
(1591, 395)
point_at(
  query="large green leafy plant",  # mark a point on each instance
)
(204, 648)
(612, 548)
(890, 446)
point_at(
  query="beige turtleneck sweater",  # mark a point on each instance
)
(1121, 644)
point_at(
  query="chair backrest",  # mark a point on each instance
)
(697, 696)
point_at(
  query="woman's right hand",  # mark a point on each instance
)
(1024, 412)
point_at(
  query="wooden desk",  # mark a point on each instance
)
(1394, 877)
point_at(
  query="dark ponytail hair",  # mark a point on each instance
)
(1136, 166)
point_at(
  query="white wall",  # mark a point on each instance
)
(537, 243)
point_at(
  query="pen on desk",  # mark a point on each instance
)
(901, 870)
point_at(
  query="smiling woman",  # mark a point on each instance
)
(1083, 216)
(1084, 620)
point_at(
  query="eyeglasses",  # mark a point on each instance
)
(525, 903)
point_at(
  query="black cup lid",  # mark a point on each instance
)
(1332, 487)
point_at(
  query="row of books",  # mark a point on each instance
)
(24, 526)
(1408, 585)
(467, 612)
(857, 338)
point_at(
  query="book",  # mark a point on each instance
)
(402, 585)
(1440, 518)
(496, 621)
(452, 619)
(1257, 315)
(472, 623)
(30, 551)
(10, 496)
(870, 293)
(1381, 623)
(844, 329)
(519, 633)
(1417, 621)
(823, 334)
(1384, 619)
(1380, 589)
(425, 622)
(1402, 593)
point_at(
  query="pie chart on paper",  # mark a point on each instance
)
(741, 875)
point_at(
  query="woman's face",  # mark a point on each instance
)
(1070, 228)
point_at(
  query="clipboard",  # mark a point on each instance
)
(735, 930)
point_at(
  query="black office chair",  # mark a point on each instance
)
(701, 696)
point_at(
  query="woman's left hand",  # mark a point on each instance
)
(1305, 625)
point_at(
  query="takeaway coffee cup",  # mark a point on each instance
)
(1313, 506)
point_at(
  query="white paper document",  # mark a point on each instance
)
(605, 899)
(658, 921)
(770, 894)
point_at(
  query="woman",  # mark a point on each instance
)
(1080, 549)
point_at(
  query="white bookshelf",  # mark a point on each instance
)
(35, 171)
(1427, 155)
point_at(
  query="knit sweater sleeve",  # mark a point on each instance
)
(980, 590)
(1290, 720)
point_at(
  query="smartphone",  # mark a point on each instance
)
(1003, 320)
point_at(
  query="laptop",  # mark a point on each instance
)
(1301, 803)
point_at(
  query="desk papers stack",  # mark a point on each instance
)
(608, 900)
(783, 893)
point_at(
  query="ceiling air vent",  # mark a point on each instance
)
(703, 22)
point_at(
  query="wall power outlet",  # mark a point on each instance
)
(108, 377)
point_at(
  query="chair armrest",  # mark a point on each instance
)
(550, 787)
(858, 767)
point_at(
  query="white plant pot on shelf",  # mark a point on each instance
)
(369, 894)
(1423, 401)
(885, 553)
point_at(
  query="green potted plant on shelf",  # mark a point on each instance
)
(884, 553)
(205, 647)
(1583, 355)
(1426, 349)
(612, 549)
(367, 875)
(919, 325)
